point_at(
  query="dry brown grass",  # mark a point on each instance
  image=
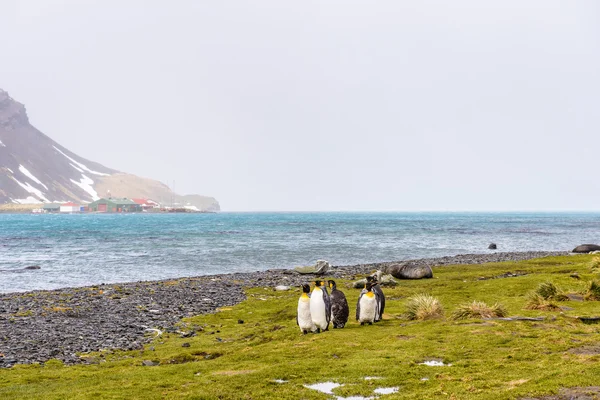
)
(595, 264)
(593, 291)
(549, 291)
(537, 302)
(478, 309)
(424, 306)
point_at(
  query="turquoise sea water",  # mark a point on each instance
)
(77, 250)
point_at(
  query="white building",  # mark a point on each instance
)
(69, 208)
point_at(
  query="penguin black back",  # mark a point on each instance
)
(339, 306)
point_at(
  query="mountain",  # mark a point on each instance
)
(36, 169)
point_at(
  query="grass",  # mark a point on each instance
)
(478, 309)
(595, 264)
(549, 291)
(536, 301)
(593, 291)
(491, 359)
(423, 307)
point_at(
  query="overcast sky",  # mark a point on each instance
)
(322, 105)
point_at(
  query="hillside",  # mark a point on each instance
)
(35, 169)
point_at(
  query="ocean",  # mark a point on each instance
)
(88, 249)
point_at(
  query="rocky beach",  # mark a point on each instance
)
(66, 323)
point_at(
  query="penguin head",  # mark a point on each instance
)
(369, 286)
(331, 284)
(319, 283)
(305, 288)
(371, 278)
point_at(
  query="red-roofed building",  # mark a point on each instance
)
(146, 203)
(69, 207)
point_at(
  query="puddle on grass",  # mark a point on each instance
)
(389, 390)
(370, 378)
(279, 381)
(327, 388)
(324, 387)
(435, 363)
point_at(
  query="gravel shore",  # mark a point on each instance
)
(41, 325)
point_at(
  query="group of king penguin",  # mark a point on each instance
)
(318, 309)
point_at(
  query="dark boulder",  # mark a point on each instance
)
(492, 246)
(408, 270)
(586, 248)
(33, 267)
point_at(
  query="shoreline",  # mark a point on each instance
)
(56, 324)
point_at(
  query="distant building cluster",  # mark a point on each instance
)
(104, 205)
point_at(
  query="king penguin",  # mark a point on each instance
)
(379, 295)
(366, 307)
(320, 307)
(339, 306)
(303, 318)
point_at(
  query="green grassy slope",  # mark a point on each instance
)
(491, 359)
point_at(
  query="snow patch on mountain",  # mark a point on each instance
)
(32, 190)
(28, 174)
(28, 200)
(80, 165)
(2, 144)
(86, 184)
(76, 167)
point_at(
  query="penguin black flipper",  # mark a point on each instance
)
(380, 301)
(358, 305)
(327, 301)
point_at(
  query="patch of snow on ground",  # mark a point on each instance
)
(80, 165)
(86, 184)
(11, 171)
(28, 200)
(32, 190)
(2, 144)
(191, 208)
(28, 174)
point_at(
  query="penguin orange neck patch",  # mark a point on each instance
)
(370, 294)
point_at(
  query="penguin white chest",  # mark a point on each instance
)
(368, 307)
(305, 322)
(318, 309)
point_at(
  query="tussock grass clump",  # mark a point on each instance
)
(478, 309)
(537, 302)
(549, 291)
(593, 291)
(595, 264)
(423, 306)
